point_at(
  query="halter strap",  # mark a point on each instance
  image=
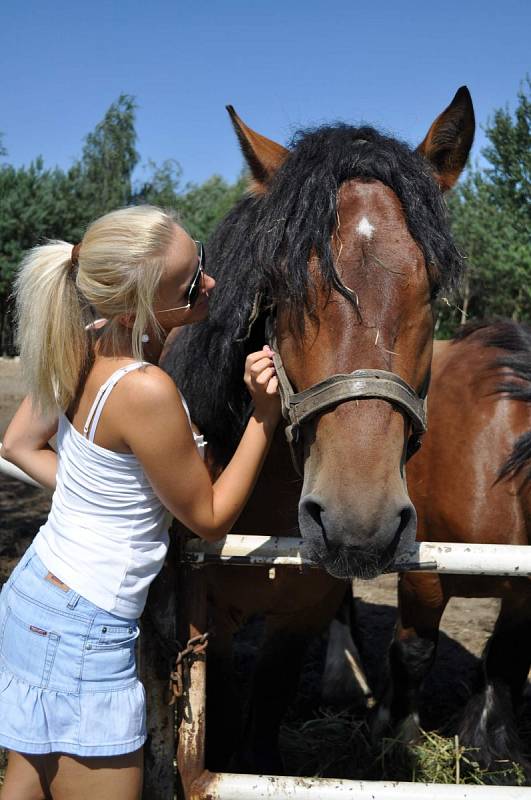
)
(93, 417)
(299, 407)
(362, 383)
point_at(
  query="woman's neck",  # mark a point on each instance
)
(121, 346)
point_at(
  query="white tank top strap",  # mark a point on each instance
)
(185, 406)
(91, 423)
(199, 439)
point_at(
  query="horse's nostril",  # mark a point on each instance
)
(314, 511)
(405, 518)
(311, 519)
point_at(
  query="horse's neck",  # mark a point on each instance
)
(273, 506)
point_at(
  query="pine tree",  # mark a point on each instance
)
(491, 216)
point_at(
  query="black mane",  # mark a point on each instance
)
(260, 252)
(515, 339)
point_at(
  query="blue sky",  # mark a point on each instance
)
(283, 65)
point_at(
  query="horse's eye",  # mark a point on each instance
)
(414, 443)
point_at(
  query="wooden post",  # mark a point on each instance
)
(191, 707)
(155, 664)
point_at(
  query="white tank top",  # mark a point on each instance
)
(106, 535)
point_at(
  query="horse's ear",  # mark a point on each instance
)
(448, 141)
(263, 156)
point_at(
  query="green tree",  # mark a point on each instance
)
(162, 187)
(38, 204)
(202, 206)
(490, 213)
(509, 155)
(31, 200)
(103, 175)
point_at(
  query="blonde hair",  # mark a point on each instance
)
(119, 266)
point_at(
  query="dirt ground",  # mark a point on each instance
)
(466, 623)
(11, 390)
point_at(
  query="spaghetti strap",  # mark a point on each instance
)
(93, 417)
(185, 406)
(199, 439)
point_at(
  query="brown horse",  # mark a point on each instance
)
(342, 244)
(471, 482)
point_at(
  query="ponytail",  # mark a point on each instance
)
(51, 318)
(119, 264)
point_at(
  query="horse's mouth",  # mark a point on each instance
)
(352, 561)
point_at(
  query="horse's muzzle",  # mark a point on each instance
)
(350, 547)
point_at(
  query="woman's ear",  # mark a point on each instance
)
(127, 320)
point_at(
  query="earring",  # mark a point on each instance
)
(144, 338)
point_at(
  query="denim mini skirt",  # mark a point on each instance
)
(68, 680)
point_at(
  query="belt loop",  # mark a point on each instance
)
(72, 603)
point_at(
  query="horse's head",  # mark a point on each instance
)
(352, 237)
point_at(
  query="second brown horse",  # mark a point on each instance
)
(471, 482)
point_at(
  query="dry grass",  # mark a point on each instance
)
(335, 744)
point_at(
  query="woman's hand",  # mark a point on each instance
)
(262, 382)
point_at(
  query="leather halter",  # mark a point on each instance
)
(300, 407)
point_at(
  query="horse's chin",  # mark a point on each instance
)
(352, 562)
(351, 565)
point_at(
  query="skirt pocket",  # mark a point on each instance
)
(109, 658)
(28, 650)
(116, 636)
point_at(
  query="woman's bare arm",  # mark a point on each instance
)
(26, 444)
(160, 436)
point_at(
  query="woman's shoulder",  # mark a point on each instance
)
(150, 383)
(144, 398)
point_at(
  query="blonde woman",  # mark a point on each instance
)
(72, 710)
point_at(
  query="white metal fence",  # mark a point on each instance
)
(199, 784)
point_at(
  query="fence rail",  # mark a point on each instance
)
(455, 558)
(227, 786)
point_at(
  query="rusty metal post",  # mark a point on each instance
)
(191, 707)
(159, 619)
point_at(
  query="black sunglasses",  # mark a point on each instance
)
(194, 288)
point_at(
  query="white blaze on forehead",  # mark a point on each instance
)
(365, 228)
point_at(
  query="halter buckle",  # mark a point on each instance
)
(292, 434)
